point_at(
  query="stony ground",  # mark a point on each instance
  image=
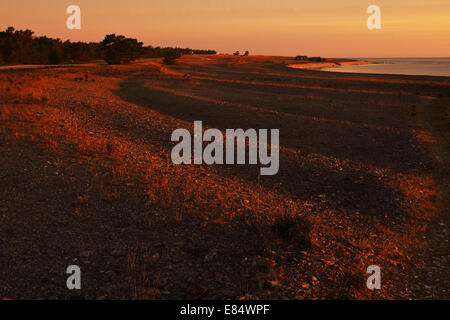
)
(87, 179)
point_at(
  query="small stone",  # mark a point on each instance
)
(229, 293)
(155, 256)
(275, 283)
(211, 255)
(162, 282)
(152, 293)
(109, 273)
(87, 253)
(118, 253)
(159, 244)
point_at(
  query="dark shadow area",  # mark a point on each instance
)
(370, 110)
(303, 179)
(392, 150)
(114, 240)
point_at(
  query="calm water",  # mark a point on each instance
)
(411, 66)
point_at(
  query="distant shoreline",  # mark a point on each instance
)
(439, 67)
(326, 64)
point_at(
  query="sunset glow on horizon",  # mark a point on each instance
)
(284, 27)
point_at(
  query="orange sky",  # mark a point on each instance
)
(330, 28)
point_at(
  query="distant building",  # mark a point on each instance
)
(301, 57)
(316, 59)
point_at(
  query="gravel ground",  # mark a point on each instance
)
(87, 180)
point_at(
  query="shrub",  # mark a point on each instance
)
(171, 56)
(118, 49)
(294, 229)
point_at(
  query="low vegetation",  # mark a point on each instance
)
(171, 56)
(294, 229)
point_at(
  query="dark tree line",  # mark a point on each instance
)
(22, 47)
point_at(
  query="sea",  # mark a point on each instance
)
(404, 66)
